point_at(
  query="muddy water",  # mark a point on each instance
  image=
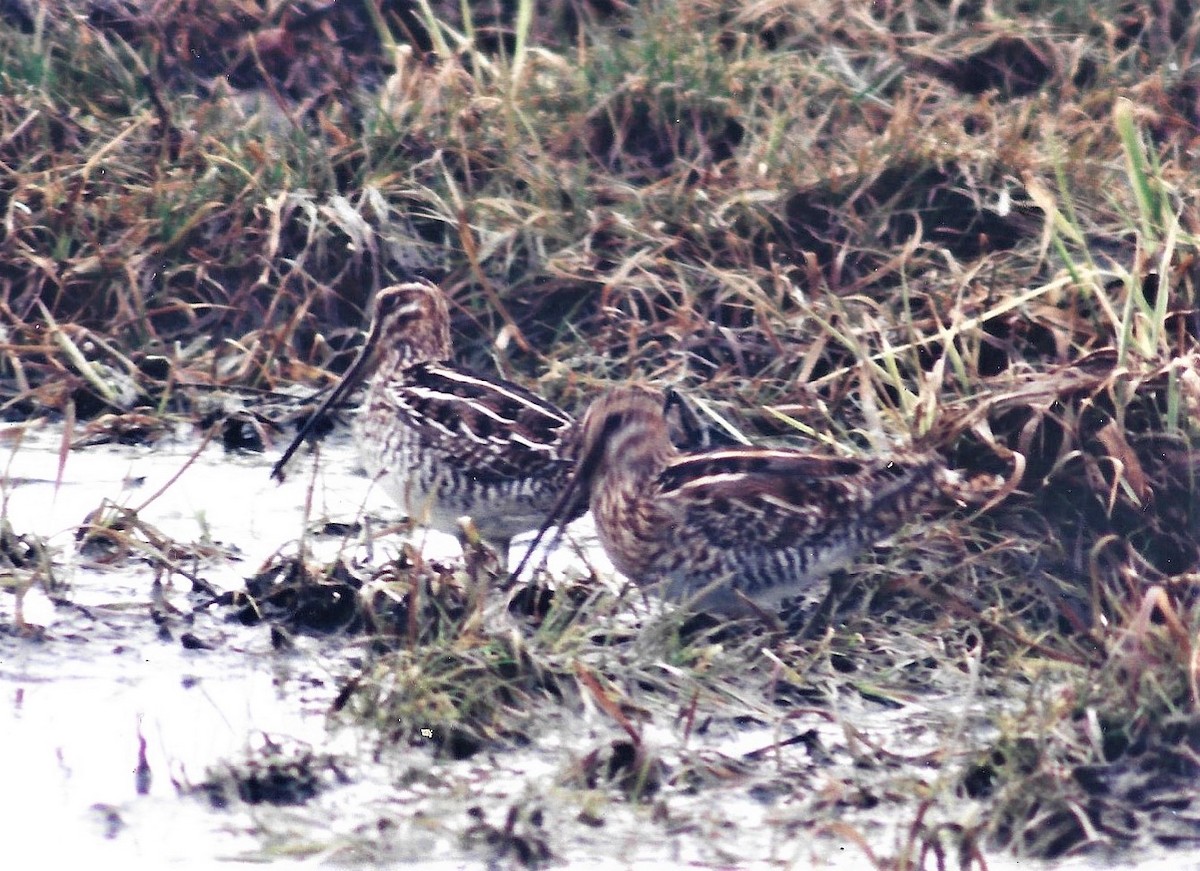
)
(108, 720)
(106, 717)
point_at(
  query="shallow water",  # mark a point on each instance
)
(106, 694)
(108, 720)
(78, 704)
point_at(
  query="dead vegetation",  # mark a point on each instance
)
(969, 224)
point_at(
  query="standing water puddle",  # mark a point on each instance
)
(108, 720)
(108, 716)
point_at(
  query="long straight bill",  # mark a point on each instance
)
(353, 375)
(567, 498)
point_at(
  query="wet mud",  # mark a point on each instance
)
(185, 651)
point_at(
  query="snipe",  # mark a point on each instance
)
(722, 529)
(445, 442)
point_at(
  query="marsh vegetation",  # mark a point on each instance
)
(839, 225)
